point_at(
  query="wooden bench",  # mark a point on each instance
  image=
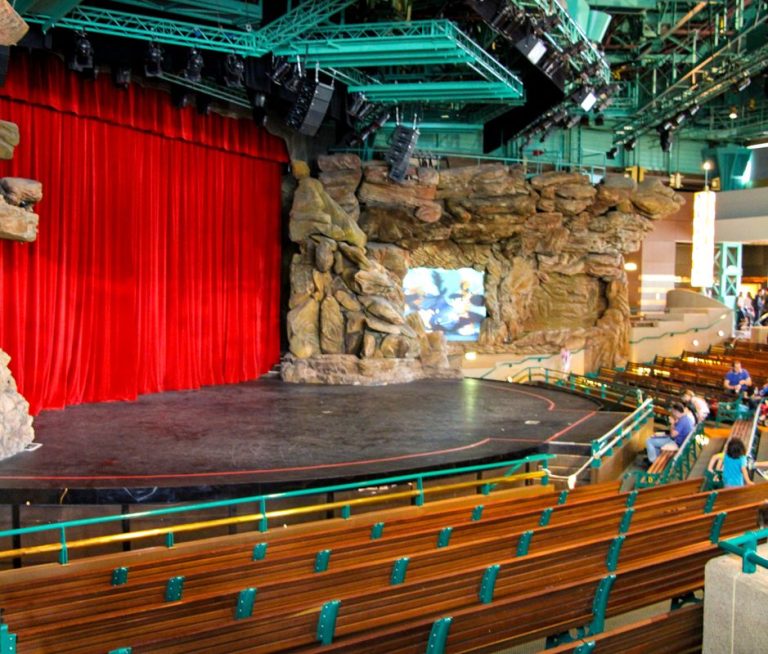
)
(676, 632)
(275, 613)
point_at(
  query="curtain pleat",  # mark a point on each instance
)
(157, 264)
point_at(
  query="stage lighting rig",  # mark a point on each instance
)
(121, 76)
(403, 142)
(379, 120)
(82, 57)
(611, 154)
(629, 144)
(258, 108)
(193, 71)
(665, 136)
(234, 70)
(153, 60)
(585, 98)
(311, 105)
(741, 84)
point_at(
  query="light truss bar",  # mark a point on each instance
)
(569, 30)
(441, 127)
(230, 11)
(132, 26)
(303, 17)
(415, 42)
(213, 90)
(439, 92)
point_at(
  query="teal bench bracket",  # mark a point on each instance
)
(245, 601)
(174, 589)
(599, 605)
(377, 531)
(170, 540)
(626, 521)
(477, 513)
(711, 499)
(612, 560)
(399, 568)
(488, 583)
(585, 648)
(438, 636)
(326, 621)
(631, 499)
(444, 537)
(121, 650)
(524, 544)
(563, 497)
(321, 560)
(64, 551)
(259, 552)
(346, 511)
(546, 516)
(717, 527)
(119, 576)
(7, 640)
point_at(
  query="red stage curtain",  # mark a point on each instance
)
(157, 264)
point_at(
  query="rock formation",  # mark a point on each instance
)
(552, 248)
(15, 422)
(18, 196)
(346, 323)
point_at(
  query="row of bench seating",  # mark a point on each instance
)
(475, 573)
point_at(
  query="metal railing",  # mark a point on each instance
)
(416, 494)
(746, 547)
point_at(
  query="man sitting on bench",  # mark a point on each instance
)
(737, 379)
(682, 426)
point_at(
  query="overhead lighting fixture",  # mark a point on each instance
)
(741, 84)
(630, 143)
(599, 120)
(665, 140)
(585, 98)
(82, 57)
(733, 114)
(532, 48)
(234, 70)
(584, 120)
(611, 154)
(193, 71)
(259, 108)
(121, 76)
(153, 60)
(758, 146)
(680, 117)
(694, 109)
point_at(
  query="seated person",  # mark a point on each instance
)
(682, 426)
(697, 405)
(737, 379)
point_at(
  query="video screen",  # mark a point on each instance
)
(450, 301)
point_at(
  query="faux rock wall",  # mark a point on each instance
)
(552, 249)
(15, 422)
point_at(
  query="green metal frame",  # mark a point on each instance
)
(746, 547)
(679, 468)
(416, 479)
(728, 265)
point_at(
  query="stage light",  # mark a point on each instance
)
(758, 146)
(680, 117)
(532, 47)
(203, 104)
(193, 71)
(629, 144)
(153, 61)
(599, 120)
(733, 114)
(741, 84)
(234, 69)
(572, 121)
(376, 124)
(694, 109)
(611, 154)
(585, 98)
(82, 57)
(121, 76)
(259, 108)
(584, 121)
(180, 97)
(665, 140)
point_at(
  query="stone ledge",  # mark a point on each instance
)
(349, 369)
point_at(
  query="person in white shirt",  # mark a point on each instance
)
(697, 405)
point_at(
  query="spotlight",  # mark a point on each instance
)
(585, 98)
(153, 60)
(281, 70)
(584, 120)
(599, 120)
(665, 140)
(694, 109)
(376, 124)
(193, 71)
(234, 69)
(611, 154)
(665, 126)
(82, 58)
(574, 120)
(259, 108)
(532, 47)
(203, 104)
(629, 144)
(733, 114)
(121, 76)
(741, 84)
(180, 97)
(680, 117)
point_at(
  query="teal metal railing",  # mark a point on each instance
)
(603, 447)
(417, 480)
(746, 547)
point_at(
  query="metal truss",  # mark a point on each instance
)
(463, 91)
(411, 43)
(234, 12)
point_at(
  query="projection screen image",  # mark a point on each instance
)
(450, 301)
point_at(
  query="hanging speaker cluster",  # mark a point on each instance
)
(399, 155)
(310, 107)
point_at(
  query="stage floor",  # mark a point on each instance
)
(267, 434)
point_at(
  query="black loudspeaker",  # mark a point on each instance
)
(403, 142)
(311, 105)
(5, 55)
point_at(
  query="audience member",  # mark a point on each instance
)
(697, 405)
(682, 425)
(737, 379)
(735, 465)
